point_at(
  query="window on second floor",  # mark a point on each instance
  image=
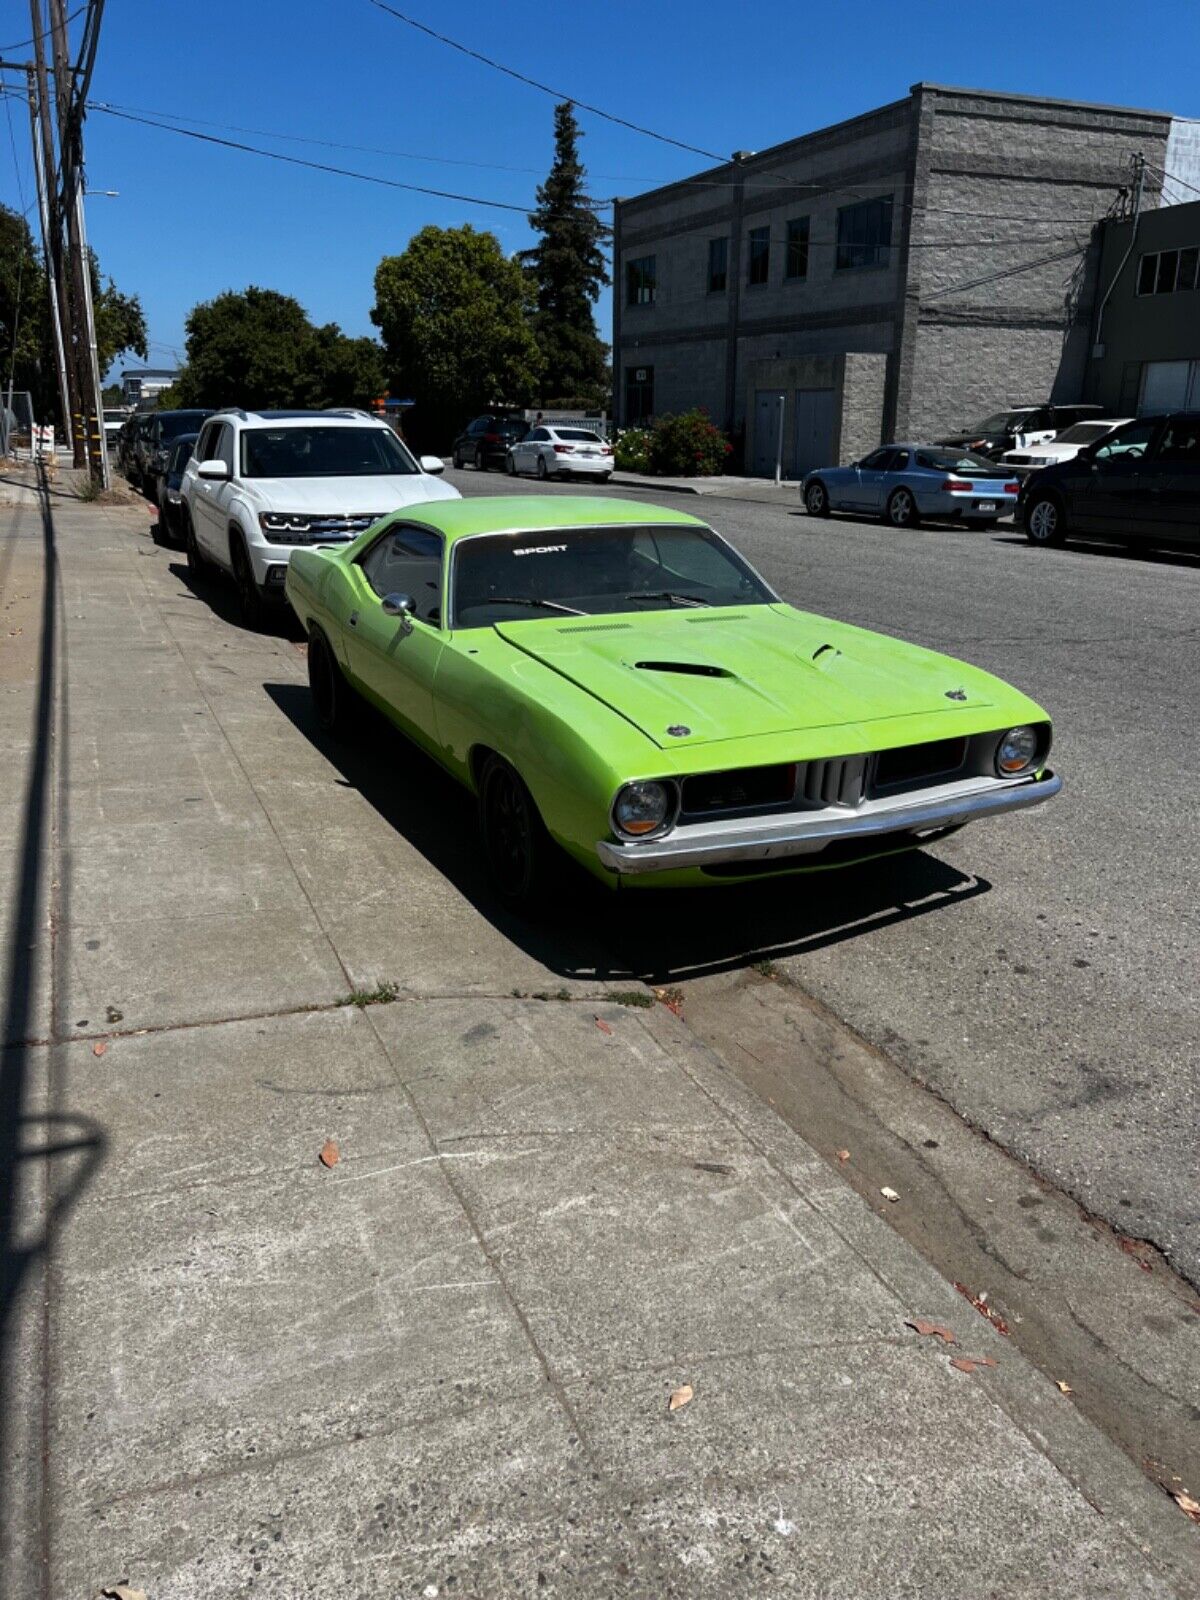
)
(718, 265)
(1167, 271)
(640, 281)
(760, 255)
(864, 234)
(796, 262)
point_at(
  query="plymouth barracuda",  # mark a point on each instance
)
(612, 679)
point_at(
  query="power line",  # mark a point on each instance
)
(1173, 177)
(558, 94)
(5, 48)
(993, 277)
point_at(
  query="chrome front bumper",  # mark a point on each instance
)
(799, 833)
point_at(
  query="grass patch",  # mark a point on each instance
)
(381, 995)
(632, 997)
(766, 969)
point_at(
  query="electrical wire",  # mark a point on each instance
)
(1172, 177)
(5, 48)
(559, 94)
(994, 277)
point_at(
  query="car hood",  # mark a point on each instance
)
(1047, 453)
(734, 673)
(333, 495)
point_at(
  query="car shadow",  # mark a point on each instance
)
(655, 935)
(1154, 555)
(217, 592)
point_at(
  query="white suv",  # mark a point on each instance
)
(262, 484)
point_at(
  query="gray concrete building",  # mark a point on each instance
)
(1145, 354)
(897, 275)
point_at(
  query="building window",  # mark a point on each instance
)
(639, 396)
(718, 265)
(640, 281)
(1168, 271)
(796, 262)
(760, 255)
(864, 234)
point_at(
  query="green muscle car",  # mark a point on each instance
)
(614, 679)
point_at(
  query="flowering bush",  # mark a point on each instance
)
(633, 450)
(683, 446)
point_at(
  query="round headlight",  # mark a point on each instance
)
(641, 808)
(1016, 751)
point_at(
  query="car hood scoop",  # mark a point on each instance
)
(754, 675)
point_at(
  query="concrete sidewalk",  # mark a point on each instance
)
(442, 1365)
(763, 490)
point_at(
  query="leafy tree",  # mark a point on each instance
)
(569, 271)
(258, 348)
(25, 340)
(120, 320)
(452, 310)
(112, 394)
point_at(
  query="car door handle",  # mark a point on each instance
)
(353, 619)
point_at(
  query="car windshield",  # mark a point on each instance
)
(499, 577)
(955, 461)
(323, 452)
(1002, 422)
(1084, 433)
(114, 416)
(578, 433)
(172, 424)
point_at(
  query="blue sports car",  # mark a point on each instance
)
(902, 483)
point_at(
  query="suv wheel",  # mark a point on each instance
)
(197, 564)
(1045, 522)
(250, 600)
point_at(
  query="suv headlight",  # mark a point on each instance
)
(1017, 751)
(281, 527)
(643, 808)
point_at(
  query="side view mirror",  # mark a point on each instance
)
(213, 469)
(402, 606)
(432, 464)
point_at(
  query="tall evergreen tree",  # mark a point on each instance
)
(568, 270)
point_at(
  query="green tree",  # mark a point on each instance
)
(568, 268)
(453, 313)
(258, 348)
(26, 349)
(120, 320)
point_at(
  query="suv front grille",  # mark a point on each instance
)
(330, 528)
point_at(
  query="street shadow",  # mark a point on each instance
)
(652, 934)
(218, 593)
(47, 1156)
(1080, 546)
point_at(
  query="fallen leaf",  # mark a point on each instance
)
(1133, 1248)
(889, 1194)
(843, 1155)
(122, 1591)
(330, 1154)
(672, 999)
(969, 1363)
(602, 1025)
(681, 1397)
(979, 1301)
(1189, 1507)
(99, 1049)
(1063, 1388)
(922, 1326)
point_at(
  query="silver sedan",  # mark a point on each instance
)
(902, 483)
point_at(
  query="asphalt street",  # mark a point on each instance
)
(1038, 971)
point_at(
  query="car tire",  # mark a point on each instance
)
(901, 510)
(196, 559)
(480, 459)
(816, 499)
(511, 464)
(541, 469)
(605, 476)
(332, 697)
(249, 595)
(1045, 520)
(516, 846)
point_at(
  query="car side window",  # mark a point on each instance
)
(1181, 442)
(877, 460)
(408, 561)
(539, 435)
(900, 463)
(204, 445)
(224, 446)
(1131, 440)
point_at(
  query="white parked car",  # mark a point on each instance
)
(262, 484)
(554, 451)
(1067, 445)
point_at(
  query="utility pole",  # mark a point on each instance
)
(1139, 184)
(52, 273)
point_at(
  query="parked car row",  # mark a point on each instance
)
(545, 450)
(144, 445)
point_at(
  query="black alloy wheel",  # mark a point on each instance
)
(515, 842)
(332, 695)
(816, 499)
(901, 510)
(250, 600)
(1045, 523)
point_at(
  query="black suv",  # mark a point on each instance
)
(484, 442)
(1001, 432)
(1139, 485)
(152, 445)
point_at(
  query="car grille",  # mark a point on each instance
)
(917, 763)
(334, 528)
(838, 781)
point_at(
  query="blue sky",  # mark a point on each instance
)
(193, 219)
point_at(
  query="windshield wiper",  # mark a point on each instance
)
(524, 600)
(667, 594)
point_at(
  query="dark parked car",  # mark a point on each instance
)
(127, 439)
(168, 498)
(151, 446)
(484, 442)
(1020, 426)
(1140, 485)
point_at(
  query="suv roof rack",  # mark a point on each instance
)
(230, 411)
(348, 411)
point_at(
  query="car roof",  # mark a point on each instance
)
(339, 417)
(519, 514)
